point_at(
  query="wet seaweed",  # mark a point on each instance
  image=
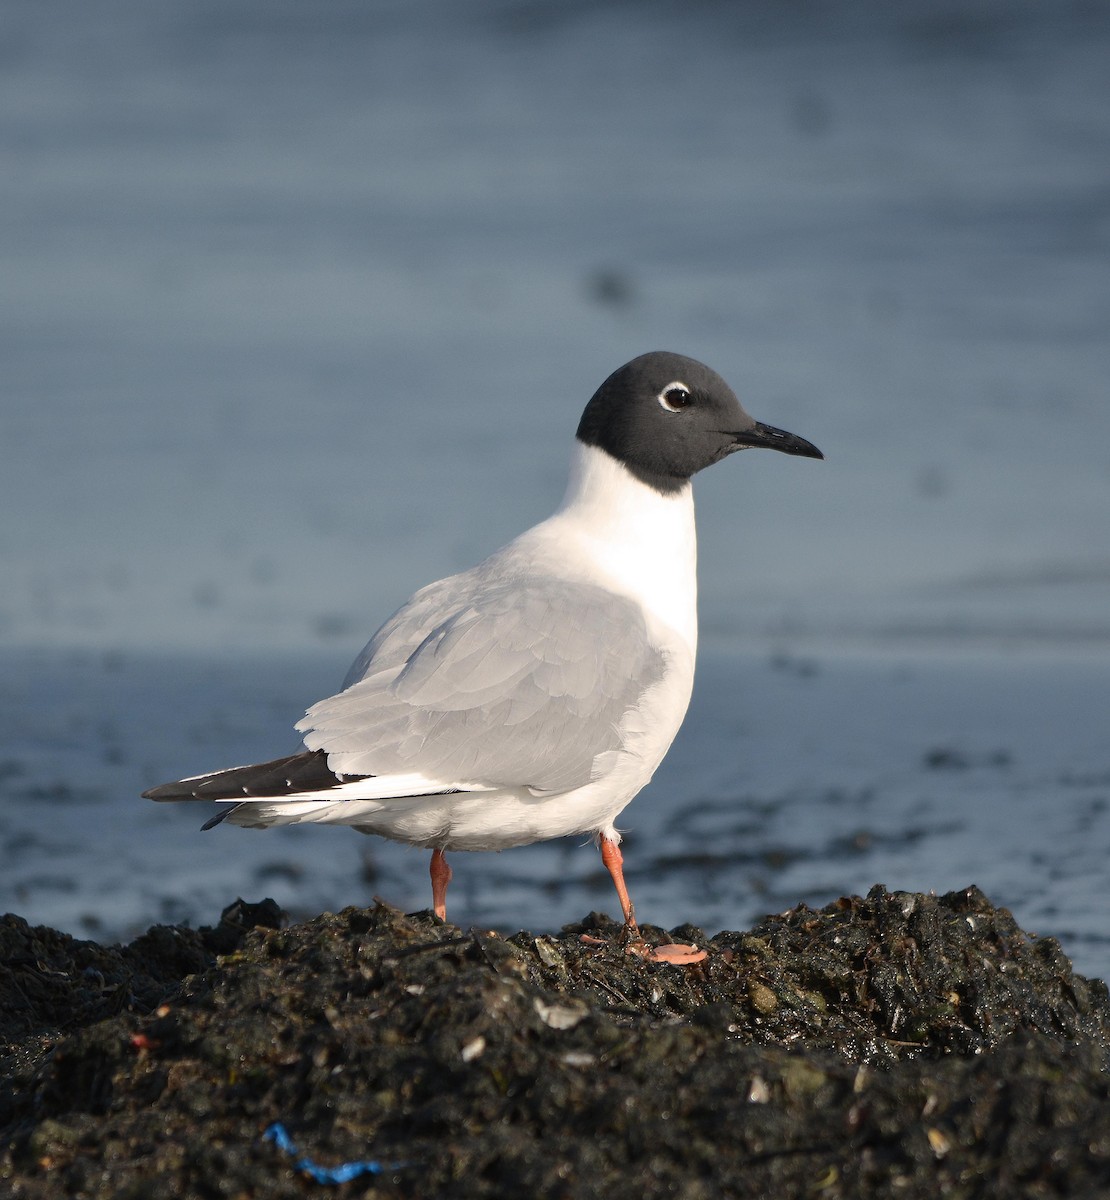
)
(893, 1044)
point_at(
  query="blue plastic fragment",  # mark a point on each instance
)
(278, 1134)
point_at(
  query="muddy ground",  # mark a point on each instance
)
(893, 1045)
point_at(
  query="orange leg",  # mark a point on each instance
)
(441, 877)
(614, 863)
(675, 953)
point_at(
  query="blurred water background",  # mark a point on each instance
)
(301, 303)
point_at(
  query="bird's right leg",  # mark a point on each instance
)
(441, 877)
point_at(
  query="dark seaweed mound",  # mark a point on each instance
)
(896, 1045)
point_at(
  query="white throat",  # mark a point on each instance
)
(640, 542)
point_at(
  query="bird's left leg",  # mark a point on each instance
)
(672, 952)
(441, 877)
(613, 859)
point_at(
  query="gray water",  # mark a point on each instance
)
(301, 304)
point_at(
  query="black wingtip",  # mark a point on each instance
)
(307, 771)
(222, 815)
(168, 791)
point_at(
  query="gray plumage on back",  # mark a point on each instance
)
(458, 685)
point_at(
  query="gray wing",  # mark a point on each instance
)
(519, 682)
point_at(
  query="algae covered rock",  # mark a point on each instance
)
(894, 1044)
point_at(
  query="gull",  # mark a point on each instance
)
(534, 695)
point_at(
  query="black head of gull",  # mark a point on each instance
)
(666, 417)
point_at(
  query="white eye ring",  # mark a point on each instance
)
(675, 397)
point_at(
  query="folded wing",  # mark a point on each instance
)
(514, 682)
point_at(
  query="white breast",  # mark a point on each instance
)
(631, 539)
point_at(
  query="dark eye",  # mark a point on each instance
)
(675, 397)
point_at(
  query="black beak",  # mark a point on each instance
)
(771, 438)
